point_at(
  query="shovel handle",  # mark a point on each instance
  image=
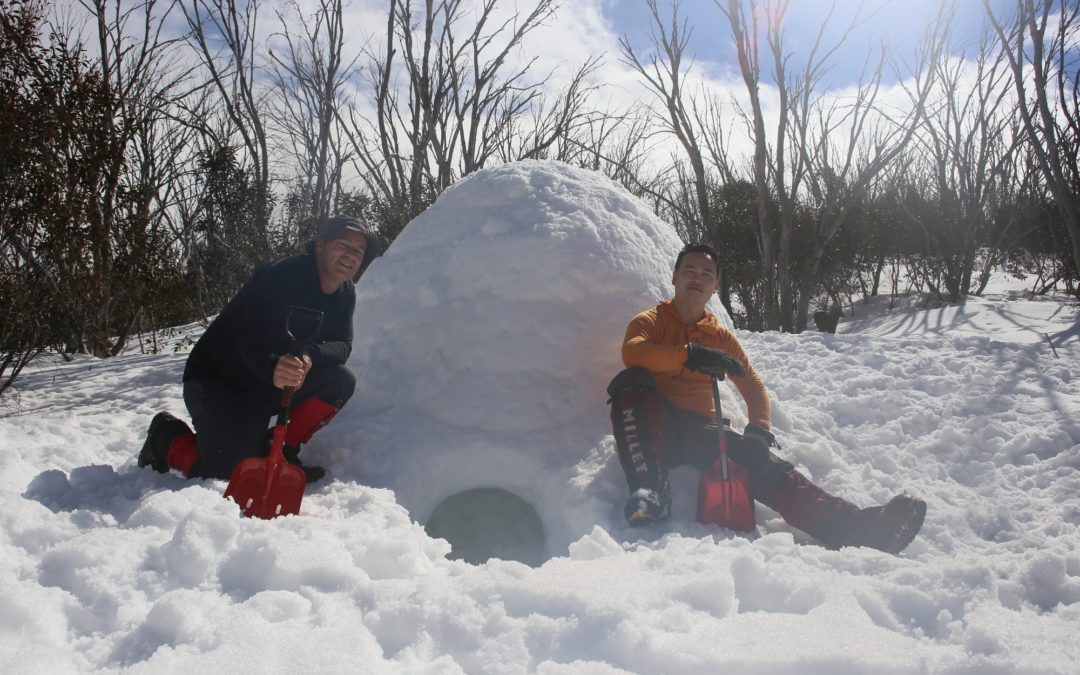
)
(726, 488)
(276, 457)
(721, 437)
(286, 401)
(302, 325)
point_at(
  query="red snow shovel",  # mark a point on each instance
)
(724, 488)
(267, 487)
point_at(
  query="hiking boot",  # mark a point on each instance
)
(645, 506)
(164, 429)
(311, 473)
(888, 528)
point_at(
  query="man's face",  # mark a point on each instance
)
(695, 278)
(339, 260)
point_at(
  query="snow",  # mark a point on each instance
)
(485, 338)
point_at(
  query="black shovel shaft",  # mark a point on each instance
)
(286, 401)
(725, 476)
(286, 396)
(721, 438)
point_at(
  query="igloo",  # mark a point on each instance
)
(485, 340)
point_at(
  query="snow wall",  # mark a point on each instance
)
(486, 337)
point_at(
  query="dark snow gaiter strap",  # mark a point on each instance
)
(822, 515)
(637, 421)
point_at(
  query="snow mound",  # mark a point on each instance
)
(485, 340)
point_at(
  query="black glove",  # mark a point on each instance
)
(760, 434)
(712, 361)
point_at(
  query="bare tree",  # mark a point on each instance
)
(391, 151)
(233, 73)
(768, 169)
(618, 146)
(90, 144)
(616, 143)
(555, 120)
(446, 99)
(142, 83)
(665, 74)
(841, 166)
(1039, 45)
(967, 137)
(824, 150)
(309, 75)
(486, 100)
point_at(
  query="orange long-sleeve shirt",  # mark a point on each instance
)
(656, 340)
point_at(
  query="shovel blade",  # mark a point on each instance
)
(726, 501)
(268, 487)
(265, 490)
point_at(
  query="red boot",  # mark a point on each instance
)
(304, 420)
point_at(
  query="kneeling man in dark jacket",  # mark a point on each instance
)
(235, 375)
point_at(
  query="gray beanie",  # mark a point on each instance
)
(335, 228)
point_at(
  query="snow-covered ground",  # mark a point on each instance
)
(485, 338)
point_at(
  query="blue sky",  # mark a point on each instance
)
(900, 23)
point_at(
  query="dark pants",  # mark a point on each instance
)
(230, 423)
(653, 436)
(694, 441)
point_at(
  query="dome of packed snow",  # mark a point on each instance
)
(486, 337)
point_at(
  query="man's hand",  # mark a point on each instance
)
(712, 361)
(291, 371)
(760, 434)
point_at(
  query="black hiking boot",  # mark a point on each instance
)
(164, 429)
(646, 506)
(888, 528)
(311, 473)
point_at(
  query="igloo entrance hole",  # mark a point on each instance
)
(488, 522)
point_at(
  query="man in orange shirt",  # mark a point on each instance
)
(663, 415)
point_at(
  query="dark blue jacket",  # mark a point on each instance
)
(242, 345)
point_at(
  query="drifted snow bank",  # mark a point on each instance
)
(487, 335)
